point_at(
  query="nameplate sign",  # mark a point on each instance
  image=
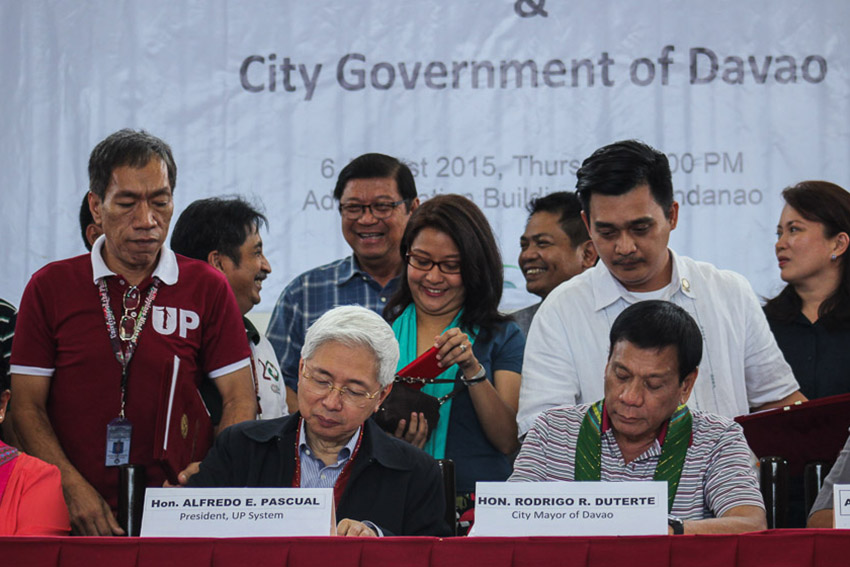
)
(841, 505)
(238, 512)
(570, 508)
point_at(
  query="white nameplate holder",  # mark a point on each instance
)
(841, 505)
(238, 512)
(505, 509)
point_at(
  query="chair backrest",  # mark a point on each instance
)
(813, 477)
(773, 477)
(447, 468)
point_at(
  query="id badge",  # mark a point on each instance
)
(118, 434)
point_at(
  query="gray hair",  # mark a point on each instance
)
(356, 326)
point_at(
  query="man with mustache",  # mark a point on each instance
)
(626, 192)
(554, 247)
(225, 233)
(643, 429)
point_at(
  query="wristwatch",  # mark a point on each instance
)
(677, 524)
(477, 377)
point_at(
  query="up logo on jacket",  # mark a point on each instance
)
(166, 320)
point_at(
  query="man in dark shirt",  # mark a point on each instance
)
(382, 485)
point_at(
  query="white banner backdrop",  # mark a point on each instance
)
(498, 99)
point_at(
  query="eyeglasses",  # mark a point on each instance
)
(323, 387)
(380, 210)
(425, 264)
(131, 301)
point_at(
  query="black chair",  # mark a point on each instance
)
(773, 478)
(447, 468)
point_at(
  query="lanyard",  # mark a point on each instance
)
(124, 356)
(677, 437)
(342, 479)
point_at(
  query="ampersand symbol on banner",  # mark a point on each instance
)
(528, 8)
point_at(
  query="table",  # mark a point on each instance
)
(775, 548)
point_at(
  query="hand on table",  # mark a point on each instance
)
(353, 528)
(89, 512)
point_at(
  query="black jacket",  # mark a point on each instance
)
(392, 484)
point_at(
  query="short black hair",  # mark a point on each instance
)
(85, 220)
(133, 148)
(618, 168)
(655, 324)
(568, 207)
(217, 223)
(377, 166)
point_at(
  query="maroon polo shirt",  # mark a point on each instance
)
(61, 333)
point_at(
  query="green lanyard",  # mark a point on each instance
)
(588, 458)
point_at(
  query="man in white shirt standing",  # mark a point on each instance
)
(225, 233)
(626, 192)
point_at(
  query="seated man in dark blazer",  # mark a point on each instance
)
(382, 485)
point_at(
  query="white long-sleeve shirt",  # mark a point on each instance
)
(567, 344)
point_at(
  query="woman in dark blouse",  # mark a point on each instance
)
(449, 298)
(810, 318)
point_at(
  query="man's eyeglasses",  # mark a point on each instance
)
(380, 210)
(425, 264)
(320, 386)
(127, 326)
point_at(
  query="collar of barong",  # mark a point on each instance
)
(674, 438)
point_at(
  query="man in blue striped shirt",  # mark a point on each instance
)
(376, 195)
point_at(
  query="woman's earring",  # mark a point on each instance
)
(834, 258)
